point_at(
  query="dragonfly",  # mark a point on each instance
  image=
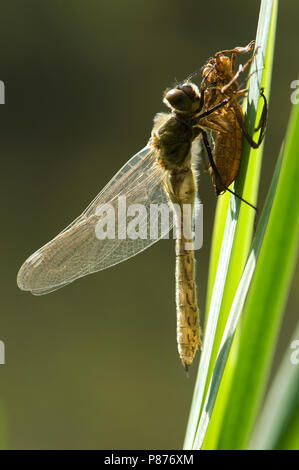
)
(163, 172)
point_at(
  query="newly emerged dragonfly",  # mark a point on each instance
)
(163, 172)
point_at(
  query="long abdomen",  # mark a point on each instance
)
(183, 192)
(188, 329)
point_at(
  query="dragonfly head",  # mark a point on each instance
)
(183, 98)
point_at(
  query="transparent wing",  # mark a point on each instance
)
(80, 249)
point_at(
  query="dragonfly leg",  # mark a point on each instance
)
(261, 125)
(238, 50)
(216, 172)
(242, 68)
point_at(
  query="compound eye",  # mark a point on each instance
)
(179, 100)
(188, 90)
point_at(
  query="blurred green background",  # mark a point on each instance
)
(95, 365)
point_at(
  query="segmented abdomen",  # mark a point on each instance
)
(188, 329)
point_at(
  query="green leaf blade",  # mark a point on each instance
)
(266, 300)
